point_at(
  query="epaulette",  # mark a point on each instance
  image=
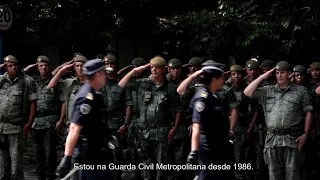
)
(204, 94)
(89, 96)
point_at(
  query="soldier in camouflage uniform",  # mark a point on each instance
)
(134, 140)
(119, 106)
(43, 132)
(177, 149)
(194, 65)
(17, 92)
(158, 100)
(288, 115)
(70, 86)
(299, 76)
(240, 130)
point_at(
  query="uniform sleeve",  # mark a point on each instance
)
(82, 110)
(133, 85)
(64, 84)
(232, 100)
(177, 106)
(259, 94)
(128, 98)
(61, 91)
(306, 102)
(31, 90)
(198, 111)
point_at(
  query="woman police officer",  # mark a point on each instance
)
(210, 128)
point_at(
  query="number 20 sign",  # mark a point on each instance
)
(6, 17)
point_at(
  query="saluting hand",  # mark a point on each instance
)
(140, 69)
(1, 65)
(67, 67)
(196, 74)
(267, 74)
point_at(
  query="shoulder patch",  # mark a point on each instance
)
(199, 106)
(89, 96)
(204, 94)
(85, 108)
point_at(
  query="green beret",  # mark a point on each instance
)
(195, 61)
(300, 68)
(208, 62)
(252, 64)
(43, 59)
(80, 58)
(315, 65)
(77, 54)
(110, 59)
(100, 56)
(158, 62)
(138, 62)
(267, 63)
(173, 63)
(283, 66)
(236, 68)
(11, 59)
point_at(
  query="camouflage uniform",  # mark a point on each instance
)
(116, 99)
(15, 95)
(284, 115)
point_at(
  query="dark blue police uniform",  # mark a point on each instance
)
(209, 112)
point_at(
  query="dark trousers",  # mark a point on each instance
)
(44, 147)
(95, 175)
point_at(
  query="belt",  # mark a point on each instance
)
(283, 131)
(45, 113)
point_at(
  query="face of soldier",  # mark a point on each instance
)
(78, 68)
(112, 65)
(156, 72)
(253, 73)
(315, 73)
(43, 68)
(11, 68)
(236, 77)
(193, 68)
(265, 69)
(175, 72)
(299, 78)
(282, 77)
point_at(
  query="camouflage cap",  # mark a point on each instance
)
(138, 62)
(43, 59)
(11, 59)
(158, 62)
(110, 59)
(283, 66)
(267, 63)
(300, 68)
(77, 54)
(208, 62)
(80, 59)
(100, 56)
(195, 61)
(173, 63)
(236, 68)
(315, 65)
(252, 64)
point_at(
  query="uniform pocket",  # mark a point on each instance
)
(270, 102)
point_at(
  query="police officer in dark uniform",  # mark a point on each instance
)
(88, 134)
(210, 125)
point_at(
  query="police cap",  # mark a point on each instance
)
(252, 64)
(138, 62)
(283, 66)
(110, 59)
(100, 56)
(315, 65)
(11, 59)
(93, 66)
(212, 69)
(174, 63)
(77, 54)
(267, 63)
(300, 68)
(207, 62)
(43, 59)
(158, 62)
(80, 58)
(195, 61)
(236, 68)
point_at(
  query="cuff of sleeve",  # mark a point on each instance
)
(233, 105)
(32, 97)
(308, 108)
